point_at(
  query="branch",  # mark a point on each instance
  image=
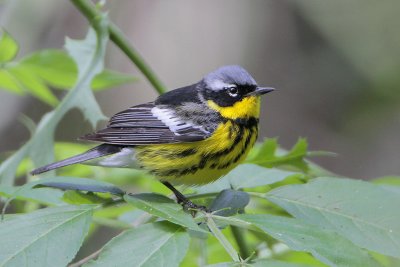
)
(118, 38)
(222, 239)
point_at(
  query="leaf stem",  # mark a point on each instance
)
(244, 250)
(222, 239)
(119, 39)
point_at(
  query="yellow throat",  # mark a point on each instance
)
(248, 107)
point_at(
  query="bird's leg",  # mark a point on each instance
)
(184, 201)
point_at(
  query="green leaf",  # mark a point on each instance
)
(299, 257)
(58, 69)
(247, 176)
(276, 263)
(78, 198)
(360, 211)
(33, 84)
(53, 66)
(47, 237)
(268, 155)
(65, 183)
(228, 264)
(162, 207)
(82, 184)
(229, 202)
(45, 196)
(8, 47)
(387, 180)
(109, 78)
(325, 245)
(266, 149)
(10, 83)
(157, 244)
(89, 56)
(259, 263)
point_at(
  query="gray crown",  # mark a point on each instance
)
(228, 75)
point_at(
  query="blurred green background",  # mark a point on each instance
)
(336, 65)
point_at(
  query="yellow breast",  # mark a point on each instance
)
(199, 162)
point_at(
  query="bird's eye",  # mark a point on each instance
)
(233, 91)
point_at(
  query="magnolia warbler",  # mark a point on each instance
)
(191, 135)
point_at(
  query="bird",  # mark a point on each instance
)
(189, 136)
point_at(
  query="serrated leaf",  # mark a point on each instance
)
(89, 56)
(82, 184)
(162, 207)
(8, 47)
(229, 202)
(90, 61)
(247, 176)
(360, 211)
(325, 245)
(47, 196)
(268, 155)
(47, 237)
(156, 244)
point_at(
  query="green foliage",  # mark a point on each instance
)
(256, 176)
(81, 184)
(46, 237)
(46, 196)
(229, 202)
(316, 221)
(154, 244)
(307, 237)
(345, 205)
(162, 207)
(8, 47)
(40, 146)
(269, 155)
(35, 73)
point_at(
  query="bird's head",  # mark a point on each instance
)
(233, 92)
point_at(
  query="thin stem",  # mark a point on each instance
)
(222, 239)
(241, 242)
(119, 39)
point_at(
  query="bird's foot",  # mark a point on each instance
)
(192, 207)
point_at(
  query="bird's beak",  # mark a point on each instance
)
(262, 91)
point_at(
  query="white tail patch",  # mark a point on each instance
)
(123, 159)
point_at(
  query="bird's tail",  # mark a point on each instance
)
(96, 152)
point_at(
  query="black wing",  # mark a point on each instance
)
(148, 124)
